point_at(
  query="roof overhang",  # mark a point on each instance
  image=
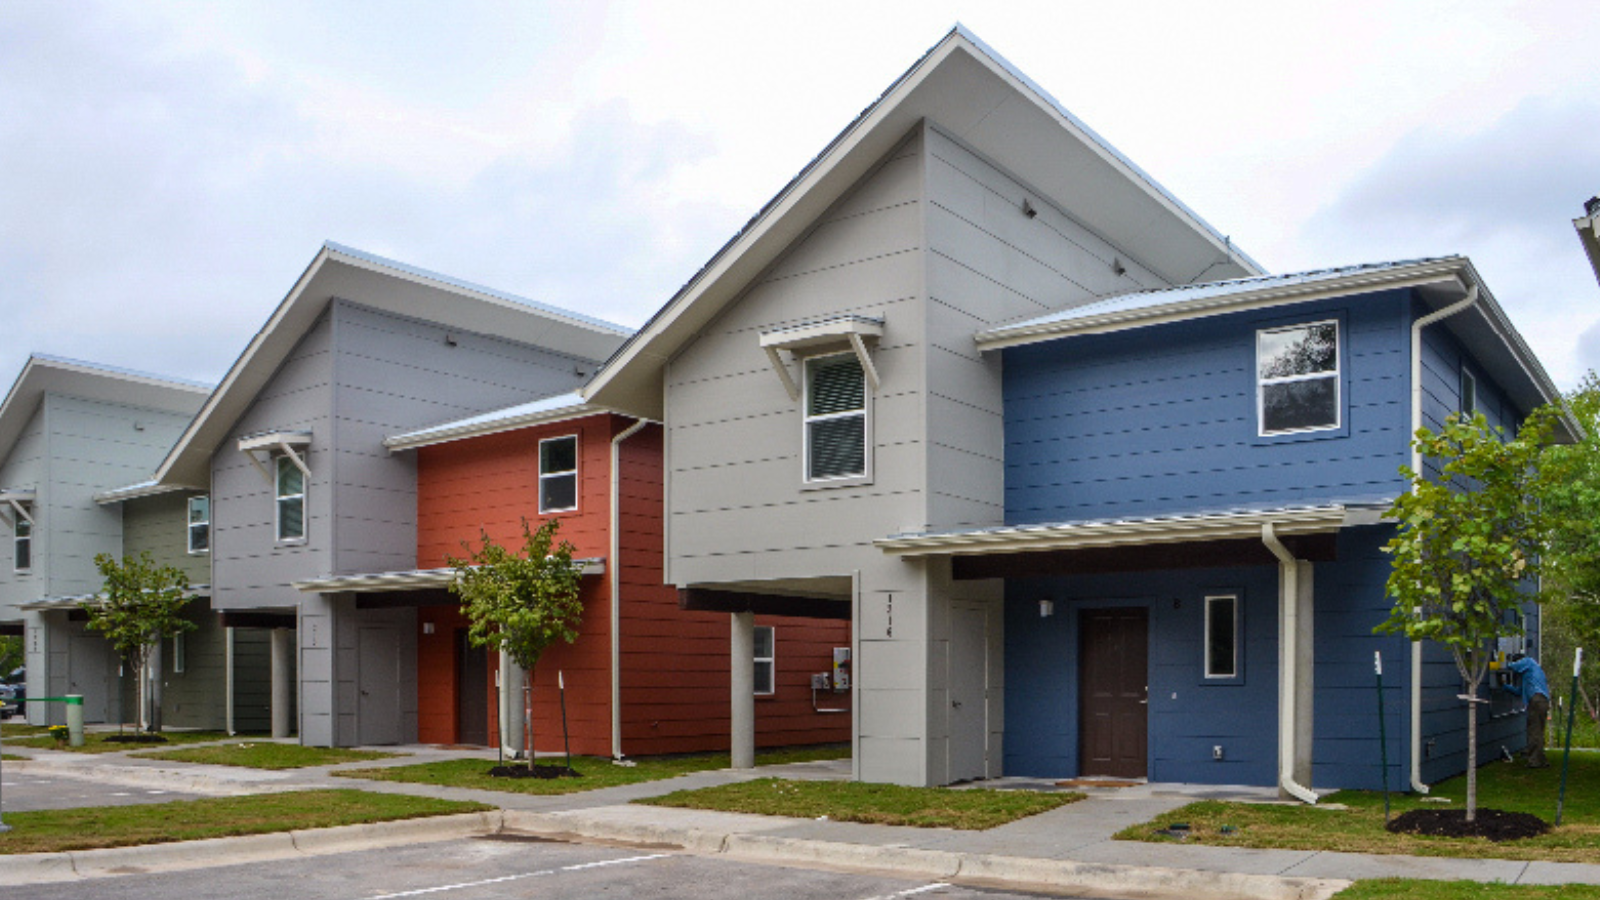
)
(1126, 532)
(135, 492)
(1589, 235)
(80, 601)
(412, 580)
(43, 374)
(543, 412)
(382, 284)
(973, 94)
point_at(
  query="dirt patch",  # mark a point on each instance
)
(1493, 824)
(535, 772)
(135, 739)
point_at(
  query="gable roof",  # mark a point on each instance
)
(383, 284)
(979, 98)
(1484, 330)
(43, 374)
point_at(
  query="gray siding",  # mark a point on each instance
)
(197, 696)
(25, 467)
(159, 526)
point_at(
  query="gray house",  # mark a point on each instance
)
(821, 388)
(306, 503)
(69, 430)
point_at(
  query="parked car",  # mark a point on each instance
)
(13, 693)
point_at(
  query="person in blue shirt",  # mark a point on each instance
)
(1535, 693)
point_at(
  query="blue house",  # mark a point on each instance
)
(1195, 486)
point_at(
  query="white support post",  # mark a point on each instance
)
(228, 677)
(512, 714)
(282, 656)
(742, 689)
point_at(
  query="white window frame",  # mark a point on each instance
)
(771, 661)
(189, 515)
(180, 654)
(806, 420)
(1468, 386)
(278, 497)
(1337, 374)
(1205, 645)
(565, 473)
(18, 540)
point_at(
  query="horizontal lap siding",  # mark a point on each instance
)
(1163, 419)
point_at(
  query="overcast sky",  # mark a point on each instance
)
(167, 170)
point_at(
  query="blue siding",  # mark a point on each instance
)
(1163, 419)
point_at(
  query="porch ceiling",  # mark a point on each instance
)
(1104, 560)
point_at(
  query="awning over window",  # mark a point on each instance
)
(271, 442)
(18, 500)
(838, 331)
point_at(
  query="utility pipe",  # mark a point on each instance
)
(614, 570)
(1288, 667)
(1416, 466)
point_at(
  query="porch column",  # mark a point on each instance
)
(742, 689)
(282, 658)
(513, 716)
(153, 671)
(1305, 673)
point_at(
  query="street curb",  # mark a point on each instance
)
(73, 865)
(936, 865)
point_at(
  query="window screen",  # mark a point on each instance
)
(836, 418)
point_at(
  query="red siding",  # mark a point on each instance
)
(674, 663)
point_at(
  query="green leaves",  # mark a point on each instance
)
(140, 603)
(520, 603)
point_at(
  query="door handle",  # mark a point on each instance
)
(955, 704)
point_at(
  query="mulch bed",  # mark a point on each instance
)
(1494, 824)
(135, 739)
(535, 772)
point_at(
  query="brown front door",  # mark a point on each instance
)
(472, 691)
(1113, 692)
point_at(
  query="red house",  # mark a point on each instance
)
(645, 676)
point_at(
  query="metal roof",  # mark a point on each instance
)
(549, 409)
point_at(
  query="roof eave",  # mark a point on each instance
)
(445, 435)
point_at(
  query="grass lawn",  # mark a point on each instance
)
(1360, 829)
(11, 757)
(875, 804)
(121, 826)
(1414, 889)
(95, 741)
(597, 772)
(266, 755)
(18, 728)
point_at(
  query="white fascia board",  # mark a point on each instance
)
(1244, 301)
(1589, 235)
(414, 580)
(445, 434)
(273, 440)
(836, 330)
(136, 492)
(1139, 532)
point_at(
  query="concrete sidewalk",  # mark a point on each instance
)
(1069, 848)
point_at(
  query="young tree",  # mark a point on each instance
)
(1467, 544)
(1570, 497)
(520, 603)
(140, 604)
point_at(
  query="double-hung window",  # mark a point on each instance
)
(199, 524)
(23, 544)
(765, 660)
(1469, 393)
(558, 474)
(1222, 636)
(1298, 378)
(291, 497)
(835, 418)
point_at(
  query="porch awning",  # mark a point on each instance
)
(1216, 526)
(78, 601)
(412, 580)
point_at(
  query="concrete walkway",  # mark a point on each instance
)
(1066, 848)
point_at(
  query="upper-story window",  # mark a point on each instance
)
(199, 524)
(835, 418)
(558, 474)
(291, 499)
(1297, 371)
(24, 544)
(1469, 393)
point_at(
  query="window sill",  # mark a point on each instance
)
(831, 483)
(291, 542)
(552, 512)
(199, 552)
(1292, 437)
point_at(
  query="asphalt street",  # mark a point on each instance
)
(23, 793)
(499, 868)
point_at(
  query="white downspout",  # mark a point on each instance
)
(1416, 466)
(1289, 627)
(614, 571)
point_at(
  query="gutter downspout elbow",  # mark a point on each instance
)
(614, 573)
(1470, 300)
(1288, 628)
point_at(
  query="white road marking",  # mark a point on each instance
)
(910, 892)
(121, 794)
(155, 792)
(504, 878)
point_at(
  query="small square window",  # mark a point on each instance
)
(1297, 371)
(1469, 393)
(558, 474)
(23, 544)
(765, 660)
(1222, 636)
(199, 524)
(291, 494)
